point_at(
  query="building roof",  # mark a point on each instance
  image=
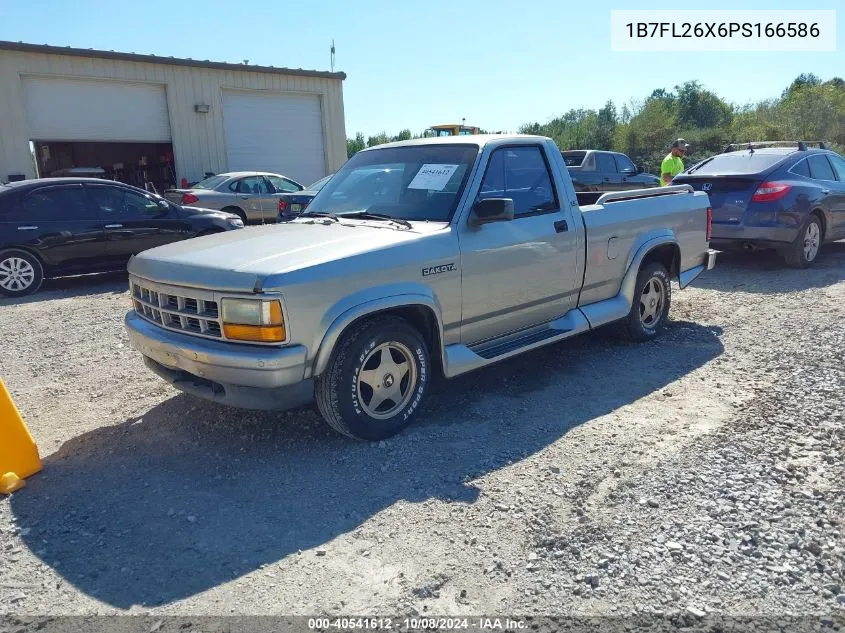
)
(156, 59)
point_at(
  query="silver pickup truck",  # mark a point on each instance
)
(441, 254)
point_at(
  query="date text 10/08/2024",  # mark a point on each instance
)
(721, 30)
(414, 624)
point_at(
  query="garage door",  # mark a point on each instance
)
(90, 110)
(275, 132)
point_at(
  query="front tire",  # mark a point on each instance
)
(375, 380)
(650, 308)
(805, 249)
(20, 273)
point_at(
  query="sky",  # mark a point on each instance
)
(411, 64)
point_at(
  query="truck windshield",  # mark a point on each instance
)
(417, 182)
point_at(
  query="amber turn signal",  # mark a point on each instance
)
(256, 333)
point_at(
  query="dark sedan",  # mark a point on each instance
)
(292, 204)
(56, 227)
(791, 199)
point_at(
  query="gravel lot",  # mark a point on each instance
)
(702, 473)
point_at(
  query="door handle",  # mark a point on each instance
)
(27, 228)
(114, 226)
(245, 197)
(561, 226)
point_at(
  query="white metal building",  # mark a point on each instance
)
(161, 119)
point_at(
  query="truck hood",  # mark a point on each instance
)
(241, 260)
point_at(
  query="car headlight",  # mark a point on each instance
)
(235, 222)
(258, 320)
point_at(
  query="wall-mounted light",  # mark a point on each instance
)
(202, 108)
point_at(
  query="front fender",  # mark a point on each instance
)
(368, 302)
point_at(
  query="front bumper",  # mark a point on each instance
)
(244, 376)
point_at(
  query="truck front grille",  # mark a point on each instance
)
(176, 309)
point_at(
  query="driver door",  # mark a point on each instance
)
(135, 221)
(524, 272)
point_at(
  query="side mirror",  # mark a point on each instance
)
(491, 210)
(628, 171)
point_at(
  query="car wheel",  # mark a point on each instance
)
(237, 211)
(375, 380)
(805, 249)
(20, 273)
(650, 308)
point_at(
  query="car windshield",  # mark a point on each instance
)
(319, 184)
(418, 182)
(212, 182)
(736, 163)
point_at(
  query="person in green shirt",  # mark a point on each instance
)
(673, 164)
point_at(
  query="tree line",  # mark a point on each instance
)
(808, 109)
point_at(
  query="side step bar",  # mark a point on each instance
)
(462, 358)
(494, 349)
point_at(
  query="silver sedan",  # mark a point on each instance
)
(253, 195)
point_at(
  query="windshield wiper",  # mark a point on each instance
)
(695, 168)
(320, 214)
(377, 216)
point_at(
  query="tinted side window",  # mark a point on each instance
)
(56, 203)
(820, 169)
(623, 163)
(140, 205)
(493, 185)
(520, 173)
(801, 168)
(605, 164)
(107, 200)
(838, 166)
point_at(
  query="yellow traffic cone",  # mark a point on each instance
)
(18, 452)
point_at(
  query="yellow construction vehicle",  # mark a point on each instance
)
(451, 129)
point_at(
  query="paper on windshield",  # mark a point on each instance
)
(433, 177)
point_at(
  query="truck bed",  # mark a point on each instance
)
(620, 222)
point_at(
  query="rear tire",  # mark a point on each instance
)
(650, 308)
(375, 380)
(236, 211)
(805, 249)
(20, 273)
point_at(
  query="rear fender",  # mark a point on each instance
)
(646, 244)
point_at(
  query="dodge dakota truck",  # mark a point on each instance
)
(462, 252)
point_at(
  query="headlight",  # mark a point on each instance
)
(236, 222)
(258, 320)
